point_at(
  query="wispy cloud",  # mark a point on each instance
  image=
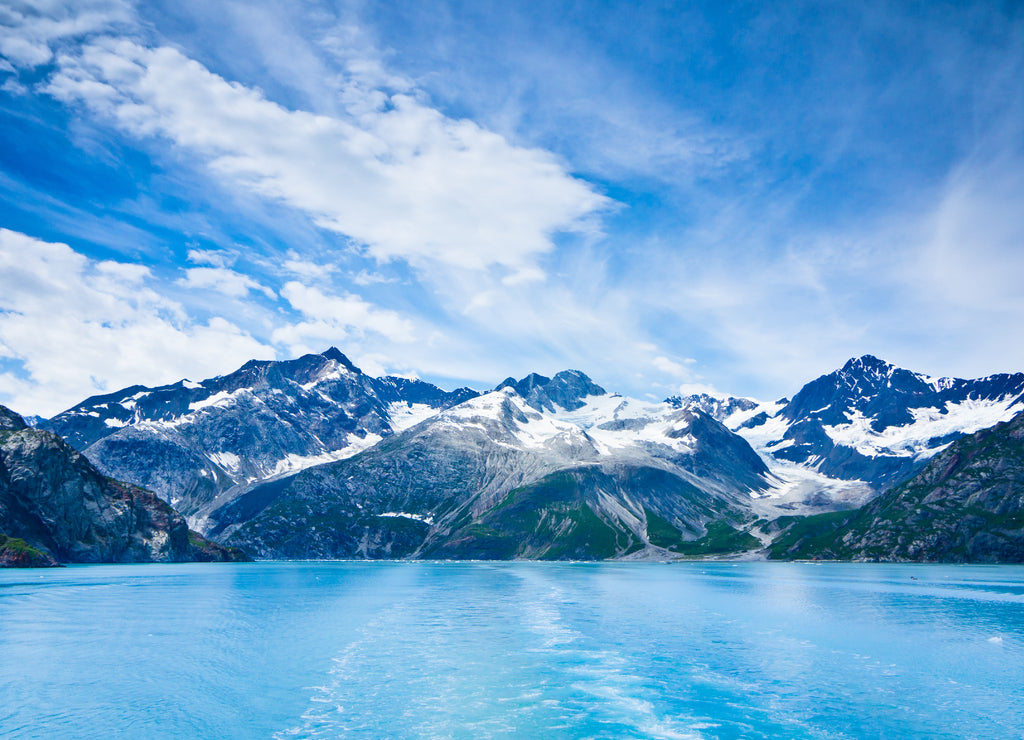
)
(29, 31)
(222, 280)
(332, 318)
(764, 191)
(400, 178)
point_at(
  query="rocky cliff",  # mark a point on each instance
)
(191, 442)
(56, 507)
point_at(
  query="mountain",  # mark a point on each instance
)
(853, 433)
(192, 442)
(538, 468)
(313, 458)
(966, 505)
(56, 507)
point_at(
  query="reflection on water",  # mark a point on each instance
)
(697, 650)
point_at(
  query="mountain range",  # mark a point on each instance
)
(311, 458)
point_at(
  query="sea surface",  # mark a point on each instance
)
(528, 650)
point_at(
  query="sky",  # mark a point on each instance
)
(671, 197)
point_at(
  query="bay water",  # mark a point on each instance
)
(527, 650)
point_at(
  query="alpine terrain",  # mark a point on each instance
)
(312, 458)
(191, 442)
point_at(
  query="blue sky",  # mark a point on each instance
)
(668, 196)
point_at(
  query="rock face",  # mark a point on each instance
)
(54, 502)
(967, 505)
(192, 442)
(539, 468)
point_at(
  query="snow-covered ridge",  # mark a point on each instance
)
(918, 438)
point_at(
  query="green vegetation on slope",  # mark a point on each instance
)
(16, 553)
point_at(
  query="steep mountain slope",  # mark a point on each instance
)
(191, 442)
(55, 506)
(537, 468)
(967, 505)
(854, 432)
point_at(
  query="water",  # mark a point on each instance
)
(529, 650)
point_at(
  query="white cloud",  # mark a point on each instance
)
(30, 30)
(222, 280)
(81, 327)
(398, 177)
(670, 367)
(332, 319)
(365, 277)
(307, 269)
(211, 257)
(972, 243)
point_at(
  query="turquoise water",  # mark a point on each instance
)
(530, 650)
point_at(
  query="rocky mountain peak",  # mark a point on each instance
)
(10, 421)
(867, 365)
(333, 353)
(566, 389)
(526, 385)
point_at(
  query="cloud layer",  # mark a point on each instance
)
(699, 198)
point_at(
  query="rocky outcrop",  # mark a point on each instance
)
(16, 553)
(52, 500)
(967, 505)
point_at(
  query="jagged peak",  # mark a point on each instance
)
(524, 386)
(10, 421)
(333, 353)
(868, 363)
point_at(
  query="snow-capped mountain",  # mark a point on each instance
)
(541, 467)
(964, 506)
(854, 432)
(313, 458)
(189, 442)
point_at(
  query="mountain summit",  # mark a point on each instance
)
(567, 390)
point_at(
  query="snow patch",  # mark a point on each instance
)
(228, 461)
(339, 372)
(425, 518)
(221, 399)
(929, 423)
(404, 415)
(293, 463)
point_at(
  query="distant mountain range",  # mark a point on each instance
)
(967, 505)
(312, 458)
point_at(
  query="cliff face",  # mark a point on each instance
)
(967, 505)
(54, 501)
